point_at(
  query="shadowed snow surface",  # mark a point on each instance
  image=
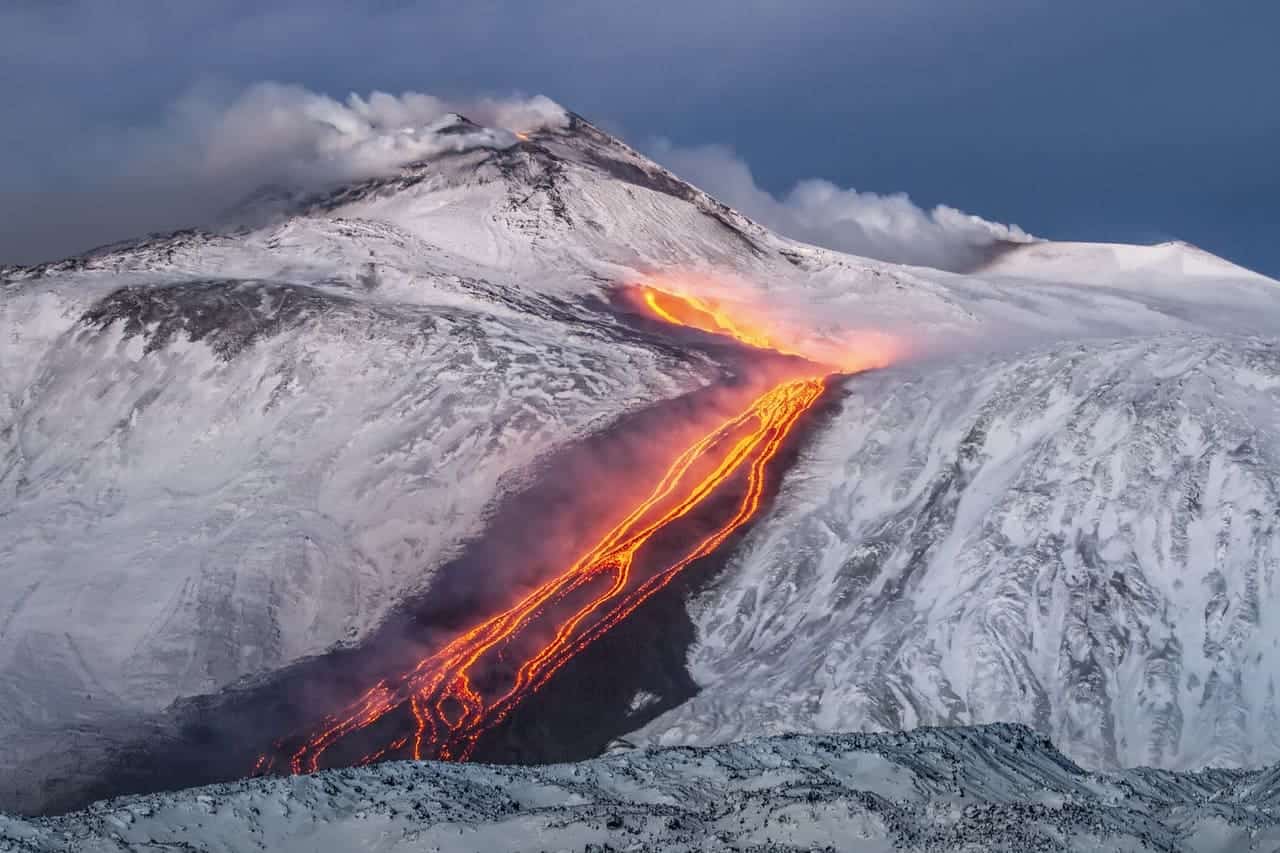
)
(999, 788)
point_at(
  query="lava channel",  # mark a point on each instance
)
(456, 695)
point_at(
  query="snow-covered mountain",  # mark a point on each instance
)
(998, 788)
(223, 452)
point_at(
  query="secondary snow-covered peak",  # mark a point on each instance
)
(1114, 263)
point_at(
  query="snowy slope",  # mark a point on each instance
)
(179, 513)
(997, 788)
(1084, 539)
(223, 452)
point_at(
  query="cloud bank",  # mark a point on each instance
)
(887, 227)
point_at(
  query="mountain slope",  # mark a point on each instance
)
(206, 479)
(1084, 539)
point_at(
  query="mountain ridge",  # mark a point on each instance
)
(998, 787)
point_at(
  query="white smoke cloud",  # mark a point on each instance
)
(213, 149)
(888, 227)
(523, 115)
(312, 138)
(288, 134)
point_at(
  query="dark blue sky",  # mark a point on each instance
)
(1121, 120)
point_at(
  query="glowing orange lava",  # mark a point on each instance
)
(668, 299)
(683, 310)
(451, 695)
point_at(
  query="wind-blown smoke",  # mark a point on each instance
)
(214, 149)
(887, 227)
(310, 138)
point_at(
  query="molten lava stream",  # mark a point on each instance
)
(451, 697)
(471, 685)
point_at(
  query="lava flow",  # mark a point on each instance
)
(682, 310)
(456, 695)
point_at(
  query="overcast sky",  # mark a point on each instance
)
(1118, 120)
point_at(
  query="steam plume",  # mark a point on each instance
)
(213, 149)
(887, 227)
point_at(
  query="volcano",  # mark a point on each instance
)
(344, 431)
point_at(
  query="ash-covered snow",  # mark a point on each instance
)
(997, 788)
(222, 452)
